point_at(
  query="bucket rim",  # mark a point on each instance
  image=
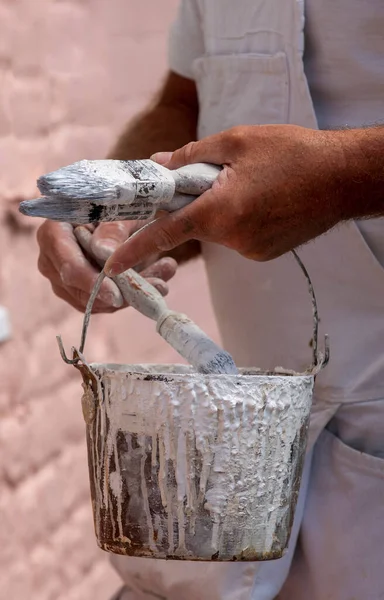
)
(153, 371)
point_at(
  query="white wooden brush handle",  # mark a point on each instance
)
(134, 288)
(190, 182)
(195, 179)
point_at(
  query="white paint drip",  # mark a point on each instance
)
(144, 491)
(219, 452)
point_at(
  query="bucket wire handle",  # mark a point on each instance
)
(87, 316)
(319, 359)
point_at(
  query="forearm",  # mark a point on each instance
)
(159, 127)
(361, 191)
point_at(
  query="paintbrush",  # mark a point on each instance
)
(176, 329)
(91, 191)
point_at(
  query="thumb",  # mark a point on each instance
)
(162, 158)
(108, 236)
(159, 236)
(216, 149)
(183, 156)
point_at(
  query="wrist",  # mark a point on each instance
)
(357, 172)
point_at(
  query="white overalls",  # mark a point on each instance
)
(251, 72)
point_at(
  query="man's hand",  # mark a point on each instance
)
(169, 122)
(281, 186)
(73, 275)
(273, 194)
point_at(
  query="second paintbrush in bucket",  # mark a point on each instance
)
(176, 328)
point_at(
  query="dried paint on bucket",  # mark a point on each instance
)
(195, 467)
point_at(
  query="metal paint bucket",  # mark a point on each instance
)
(195, 467)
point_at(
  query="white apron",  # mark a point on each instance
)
(252, 73)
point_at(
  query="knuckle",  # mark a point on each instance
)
(236, 137)
(44, 266)
(80, 297)
(165, 240)
(160, 285)
(49, 231)
(167, 268)
(242, 218)
(118, 230)
(41, 233)
(187, 225)
(61, 293)
(66, 274)
(258, 251)
(98, 309)
(189, 152)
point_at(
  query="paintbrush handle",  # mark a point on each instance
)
(195, 179)
(178, 201)
(190, 182)
(136, 290)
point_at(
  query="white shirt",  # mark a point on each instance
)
(344, 61)
(344, 54)
(344, 64)
(248, 68)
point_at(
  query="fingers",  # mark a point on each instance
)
(110, 235)
(74, 296)
(84, 279)
(78, 300)
(163, 269)
(162, 235)
(159, 284)
(72, 276)
(64, 264)
(218, 149)
(158, 272)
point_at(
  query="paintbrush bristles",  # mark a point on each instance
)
(82, 212)
(121, 181)
(74, 180)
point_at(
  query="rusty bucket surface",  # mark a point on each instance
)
(195, 467)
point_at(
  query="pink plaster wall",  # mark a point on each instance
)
(63, 98)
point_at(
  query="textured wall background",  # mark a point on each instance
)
(70, 76)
